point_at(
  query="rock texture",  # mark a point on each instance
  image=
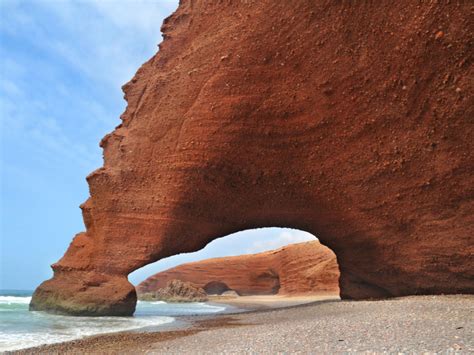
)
(179, 291)
(304, 268)
(352, 121)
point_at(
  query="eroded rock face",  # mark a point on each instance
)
(351, 122)
(297, 269)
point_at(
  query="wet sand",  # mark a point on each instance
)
(410, 324)
(253, 303)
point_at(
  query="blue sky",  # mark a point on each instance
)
(62, 65)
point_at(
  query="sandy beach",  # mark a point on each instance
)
(258, 303)
(304, 325)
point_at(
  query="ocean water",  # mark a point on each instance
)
(20, 328)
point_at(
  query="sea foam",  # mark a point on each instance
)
(20, 328)
(14, 300)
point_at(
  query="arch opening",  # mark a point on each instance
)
(263, 261)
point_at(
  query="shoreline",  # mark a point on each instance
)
(135, 340)
(268, 302)
(417, 322)
(182, 325)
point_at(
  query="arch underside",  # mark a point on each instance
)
(296, 117)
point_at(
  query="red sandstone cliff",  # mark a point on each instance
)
(304, 268)
(350, 121)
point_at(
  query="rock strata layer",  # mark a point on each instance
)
(297, 269)
(350, 120)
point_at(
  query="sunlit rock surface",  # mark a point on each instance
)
(352, 121)
(297, 269)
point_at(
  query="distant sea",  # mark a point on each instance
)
(20, 328)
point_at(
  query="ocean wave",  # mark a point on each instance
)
(212, 308)
(151, 302)
(14, 300)
(207, 305)
(21, 329)
(73, 328)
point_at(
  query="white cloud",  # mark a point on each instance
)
(56, 145)
(135, 14)
(9, 87)
(91, 43)
(112, 38)
(285, 237)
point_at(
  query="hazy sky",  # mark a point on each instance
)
(62, 67)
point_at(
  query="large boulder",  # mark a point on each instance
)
(179, 291)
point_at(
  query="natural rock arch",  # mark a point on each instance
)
(353, 123)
